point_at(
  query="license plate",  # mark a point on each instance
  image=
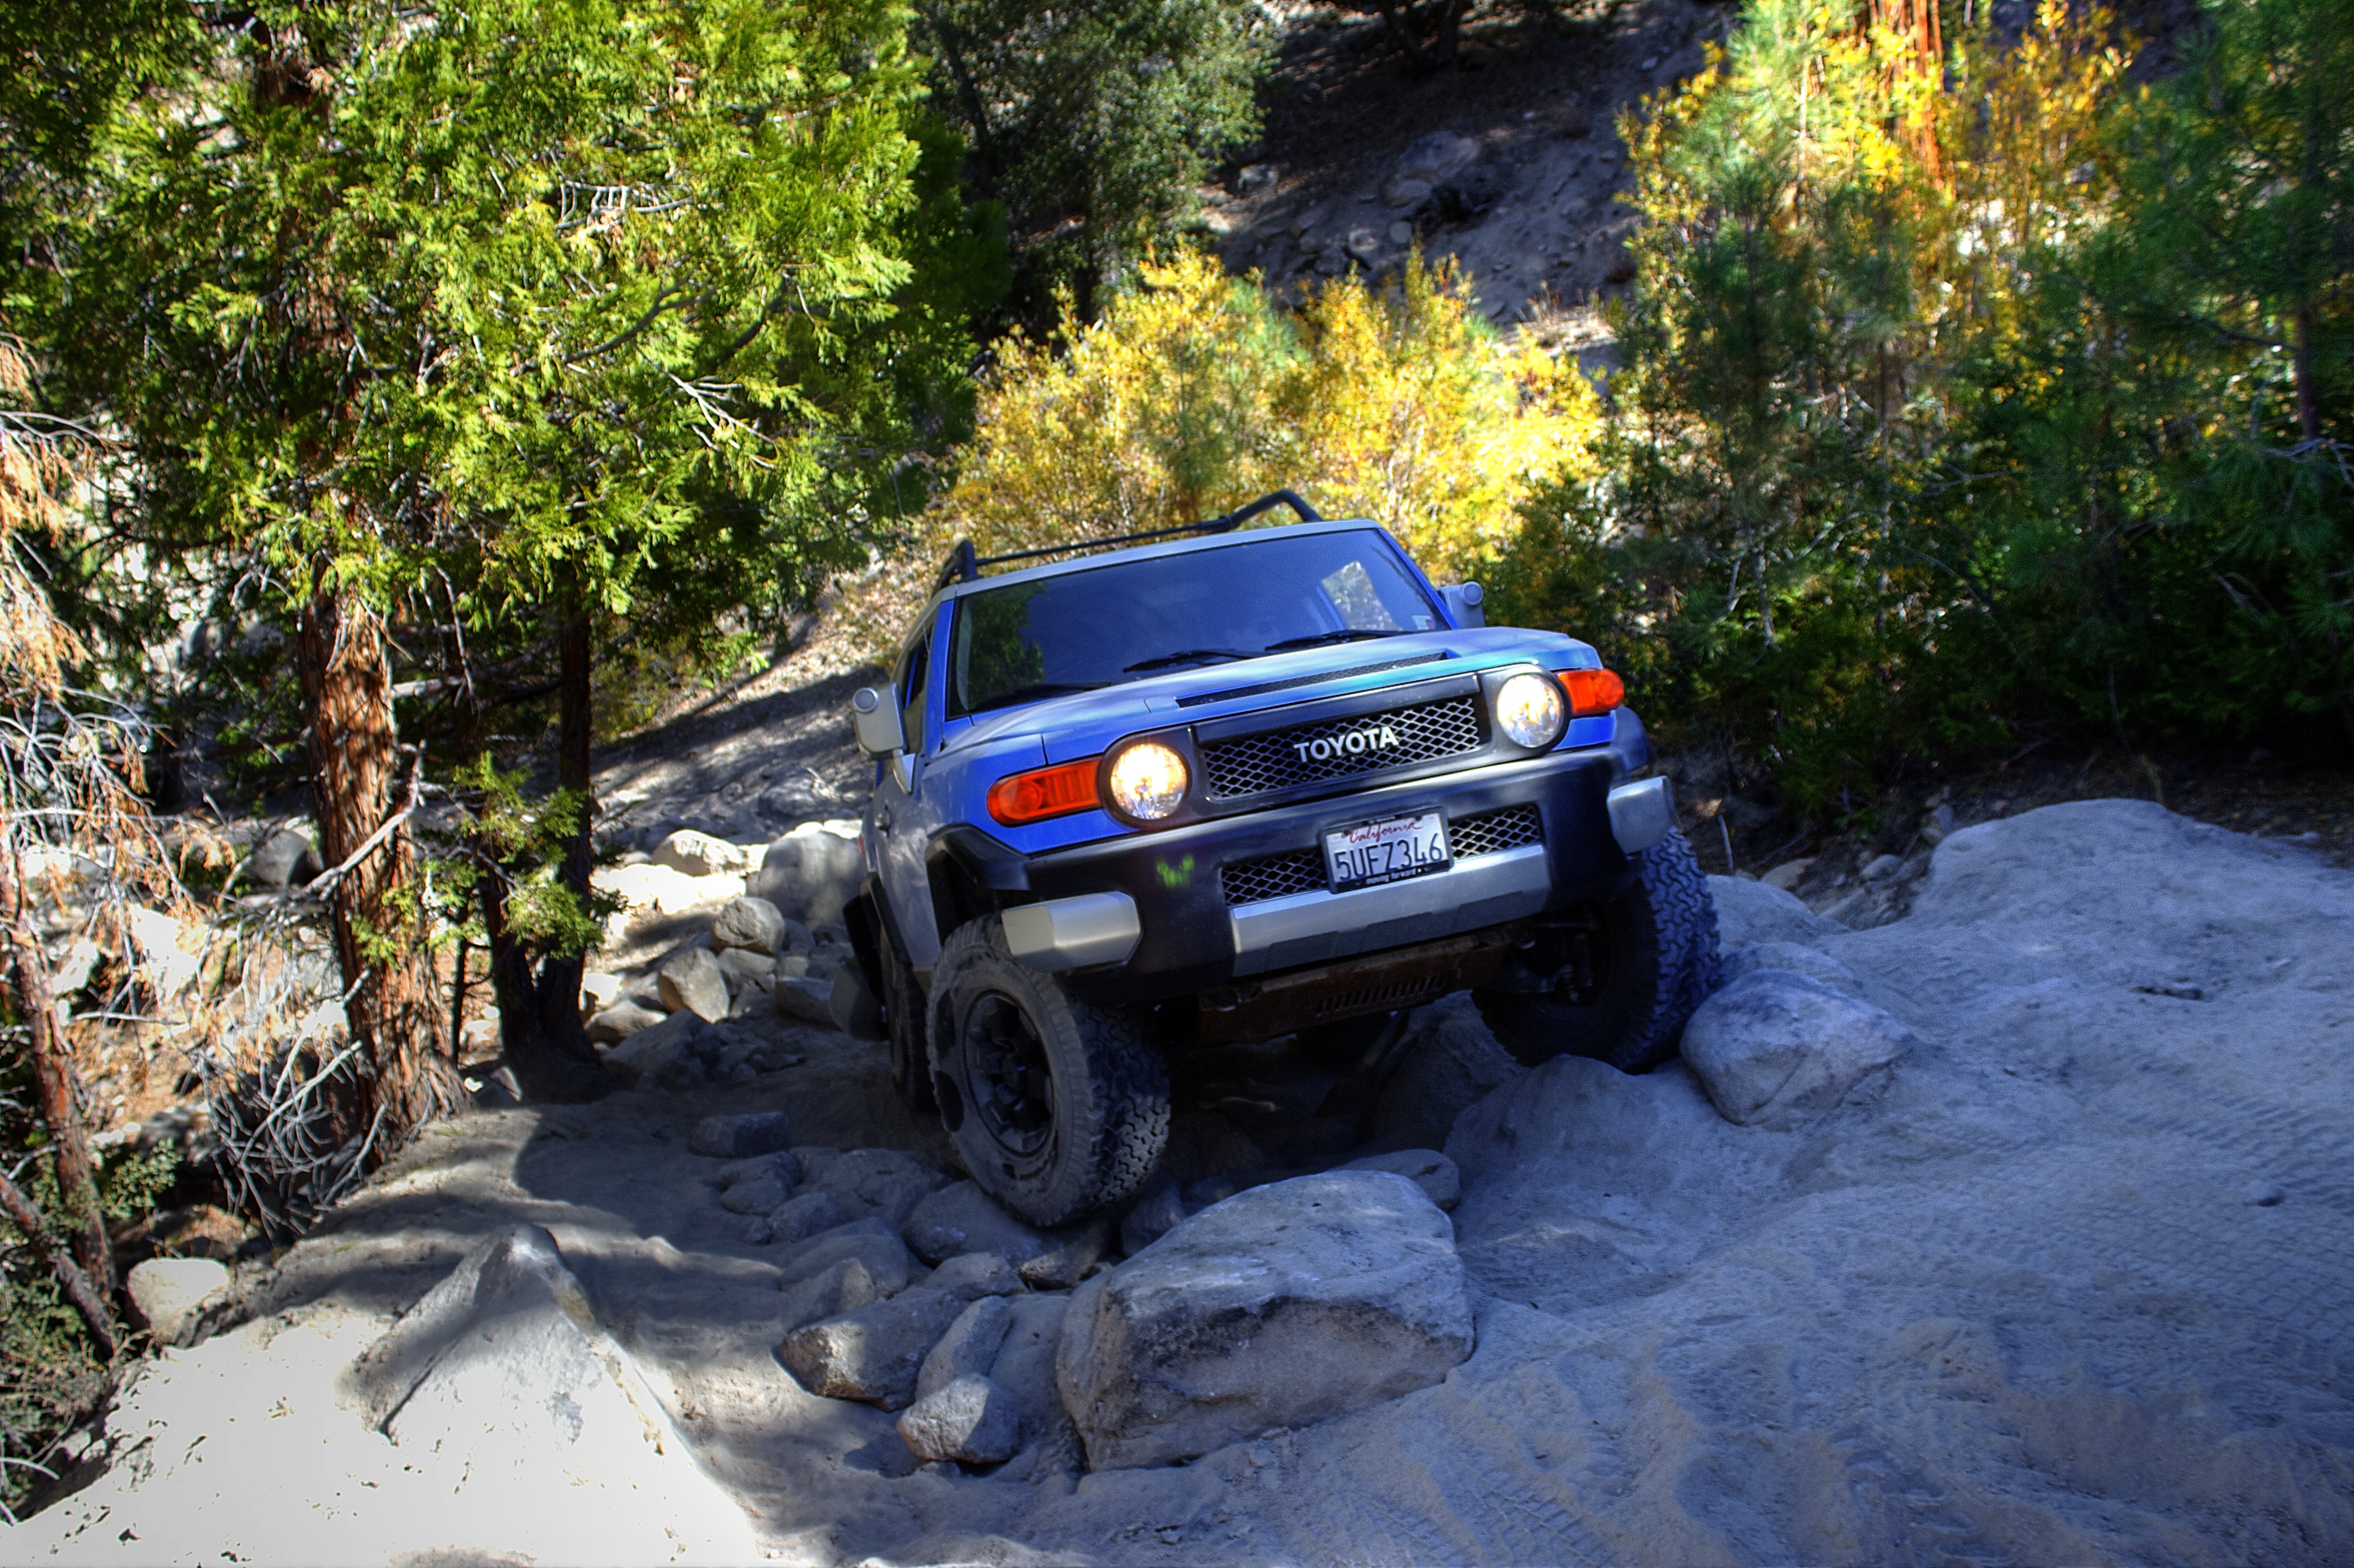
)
(1372, 853)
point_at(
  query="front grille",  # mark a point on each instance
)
(1271, 876)
(1283, 758)
(1491, 832)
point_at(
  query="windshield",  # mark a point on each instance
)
(1133, 619)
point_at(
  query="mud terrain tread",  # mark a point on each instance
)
(1115, 1147)
(1666, 966)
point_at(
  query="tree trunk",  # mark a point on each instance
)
(540, 1009)
(406, 1077)
(1916, 22)
(79, 1288)
(54, 1085)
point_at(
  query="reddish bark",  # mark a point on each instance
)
(394, 1015)
(54, 1085)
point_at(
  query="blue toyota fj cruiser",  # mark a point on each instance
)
(1233, 785)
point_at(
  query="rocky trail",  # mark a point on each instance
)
(2015, 1228)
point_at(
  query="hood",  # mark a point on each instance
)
(1081, 722)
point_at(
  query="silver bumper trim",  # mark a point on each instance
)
(1314, 927)
(1641, 814)
(1068, 933)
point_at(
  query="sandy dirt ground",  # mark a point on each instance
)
(2069, 1286)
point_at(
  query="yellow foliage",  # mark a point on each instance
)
(1196, 393)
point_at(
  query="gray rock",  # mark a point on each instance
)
(693, 980)
(1811, 962)
(806, 998)
(871, 1243)
(743, 966)
(962, 1218)
(746, 1133)
(843, 1287)
(1446, 1061)
(971, 1420)
(975, 1275)
(812, 1213)
(1285, 1305)
(882, 1183)
(780, 1165)
(751, 924)
(1880, 868)
(816, 1160)
(1069, 1263)
(874, 1352)
(1750, 912)
(760, 1195)
(1775, 1048)
(970, 1346)
(171, 1293)
(1159, 1210)
(808, 874)
(651, 1052)
(1426, 1168)
(287, 858)
(616, 1024)
(700, 855)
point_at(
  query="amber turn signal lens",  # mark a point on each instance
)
(1592, 691)
(1044, 792)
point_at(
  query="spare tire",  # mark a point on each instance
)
(1656, 962)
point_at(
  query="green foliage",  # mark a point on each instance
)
(1091, 125)
(1954, 407)
(523, 840)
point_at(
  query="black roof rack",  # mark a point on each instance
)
(963, 567)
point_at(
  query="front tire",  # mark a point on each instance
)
(1656, 962)
(1058, 1109)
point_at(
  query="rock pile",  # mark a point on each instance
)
(1281, 1306)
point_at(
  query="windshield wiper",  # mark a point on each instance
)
(1035, 690)
(1348, 635)
(1186, 656)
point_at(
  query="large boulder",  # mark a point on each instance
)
(1750, 912)
(1285, 1305)
(1775, 1047)
(871, 1242)
(843, 1287)
(693, 980)
(664, 889)
(172, 1293)
(287, 858)
(812, 1213)
(700, 855)
(808, 874)
(613, 1024)
(962, 1218)
(657, 1052)
(969, 1347)
(1024, 1363)
(749, 923)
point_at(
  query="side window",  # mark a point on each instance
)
(914, 676)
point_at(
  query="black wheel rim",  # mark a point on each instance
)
(1007, 1078)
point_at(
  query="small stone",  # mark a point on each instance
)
(1025, 1366)
(811, 1214)
(962, 1218)
(844, 1287)
(1881, 867)
(806, 997)
(969, 1348)
(1401, 232)
(286, 859)
(701, 854)
(745, 1133)
(743, 966)
(760, 1195)
(871, 1242)
(1773, 1048)
(694, 981)
(780, 1165)
(750, 925)
(873, 1352)
(616, 1024)
(760, 1233)
(971, 1420)
(171, 1293)
(882, 1183)
(654, 1051)
(1069, 1264)
(1788, 875)
(975, 1275)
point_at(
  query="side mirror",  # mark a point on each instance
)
(1463, 601)
(877, 714)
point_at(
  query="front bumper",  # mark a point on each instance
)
(1192, 940)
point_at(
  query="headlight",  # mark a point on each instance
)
(1529, 708)
(1149, 780)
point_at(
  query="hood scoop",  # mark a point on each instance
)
(1319, 678)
